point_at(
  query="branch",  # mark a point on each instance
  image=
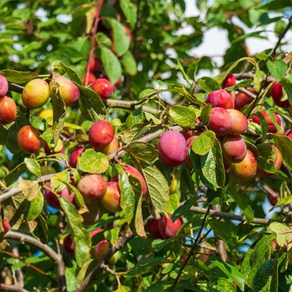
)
(93, 33)
(46, 249)
(5, 287)
(14, 191)
(213, 213)
(191, 251)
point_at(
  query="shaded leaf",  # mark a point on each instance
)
(142, 151)
(130, 11)
(121, 39)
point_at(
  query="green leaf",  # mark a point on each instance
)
(157, 188)
(284, 234)
(204, 143)
(142, 151)
(19, 77)
(210, 167)
(146, 265)
(128, 196)
(205, 114)
(130, 11)
(139, 224)
(183, 116)
(284, 144)
(179, 212)
(81, 238)
(93, 162)
(59, 110)
(120, 37)
(111, 65)
(35, 207)
(129, 63)
(266, 156)
(264, 276)
(33, 166)
(287, 84)
(208, 84)
(243, 204)
(90, 103)
(259, 77)
(71, 73)
(29, 188)
(277, 68)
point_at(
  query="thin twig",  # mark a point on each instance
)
(191, 251)
(5, 287)
(46, 249)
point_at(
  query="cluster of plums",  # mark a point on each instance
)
(228, 123)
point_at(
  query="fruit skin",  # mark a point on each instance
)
(131, 170)
(229, 80)
(7, 110)
(172, 148)
(103, 88)
(242, 99)
(101, 134)
(93, 65)
(271, 127)
(277, 94)
(289, 133)
(6, 225)
(169, 228)
(92, 187)
(28, 139)
(274, 199)
(277, 162)
(153, 229)
(74, 155)
(101, 249)
(90, 80)
(244, 170)
(68, 91)
(233, 148)
(239, 122)
(220, 98)
(220, 121)
(190, 141)
(3, 86)
(111, 199)
(35, 93)
(112, 147)
(51, 198)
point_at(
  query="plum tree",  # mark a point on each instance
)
(220, 98)
(7, 110)
(233, 148)
(35, 93)
(100, 134)
(239, 122)
(68, 91)
(172, 148)
(74, 155)
(92, 187)
(102, 87)
(229, 80)
(169, 228)
(242, 99)
(277, 94)
(271, 126)
(220, 121)
(29, 139)
(111, 199)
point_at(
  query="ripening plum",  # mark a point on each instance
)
(153, 229)
(233, 148)
(6, 225)
(245, 169)
(94, 65)
(271, 127)
(29, 139)
(277, 94)
(169, 228)
(7, 110)
(3, 86)
(242, 99)
(101, 134)
(172, 148)
(103, 88)
(101, 249)
(111, 148)
(239, 122)
(51, 197)
(131, 170)
(68, 91)
(74, 155)
(277, 163)
(90, 79)
(35, 93)
(111, 199)
(220, 121)
(220, 98)
(92, 187)
(229, 80)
